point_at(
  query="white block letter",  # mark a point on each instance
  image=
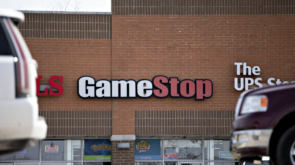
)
(269, 81)
(237, 84)
(248, 82)
(245, 68)
(239, 64)
(86, 87)
(144, 88)
(104, 88)
(123, 91)
(256, 70)
(258, 83)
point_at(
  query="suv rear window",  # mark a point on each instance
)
(4, 44)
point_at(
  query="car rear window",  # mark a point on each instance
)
(4, 44)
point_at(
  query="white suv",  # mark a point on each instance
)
(20, 124)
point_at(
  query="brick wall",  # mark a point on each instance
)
(65, 25)
(197, 47)
(122, 156)
(184, 122)
(77, 123)
(188, 47)
(201, 7)
(71, 58)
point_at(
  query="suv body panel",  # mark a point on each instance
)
(281, 102)
(19, 112)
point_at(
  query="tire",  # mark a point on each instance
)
(286, 142)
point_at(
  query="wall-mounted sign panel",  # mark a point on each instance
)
(160, 87)
(147, 149)
(97, 149)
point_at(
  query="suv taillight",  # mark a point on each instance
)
(21, 64)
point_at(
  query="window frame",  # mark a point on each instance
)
(202, 161)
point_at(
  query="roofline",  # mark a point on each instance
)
(65, 12)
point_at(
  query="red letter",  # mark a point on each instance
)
(38, 93)
(201, 93)
(163, 90)
(53, 84)
(166, 156)
(187, 88)
(173, 87)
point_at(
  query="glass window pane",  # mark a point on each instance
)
(148, 163)
(170, 163)
(148, 149)
(31, 153)
(217, 150)
(97, 163)
(75, 163)
(263, 163)
(26, 164)
(221, 163)
(61, 150)
(97, 149)
(182, 149)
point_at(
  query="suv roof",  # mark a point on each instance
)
(16, 16)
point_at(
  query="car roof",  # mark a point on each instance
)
(16, 16)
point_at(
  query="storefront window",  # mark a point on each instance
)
(170, 163)
(31, 153)
(147, 149)
(97, 150)
(182, 149)
(217, 150)
(97, 163)
(148, 163)
(76, 163)
(61, 150)
(221, 163)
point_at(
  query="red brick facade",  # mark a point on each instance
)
(188, 47)
(183, 46)
(71, 58)
(198, 47)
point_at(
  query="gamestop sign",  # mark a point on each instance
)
(160, 87)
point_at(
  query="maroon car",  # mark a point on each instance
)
(265, 125)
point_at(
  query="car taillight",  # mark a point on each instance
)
(22, 64)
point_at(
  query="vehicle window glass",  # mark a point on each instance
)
(4, 44)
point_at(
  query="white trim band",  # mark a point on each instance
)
(123, 137)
